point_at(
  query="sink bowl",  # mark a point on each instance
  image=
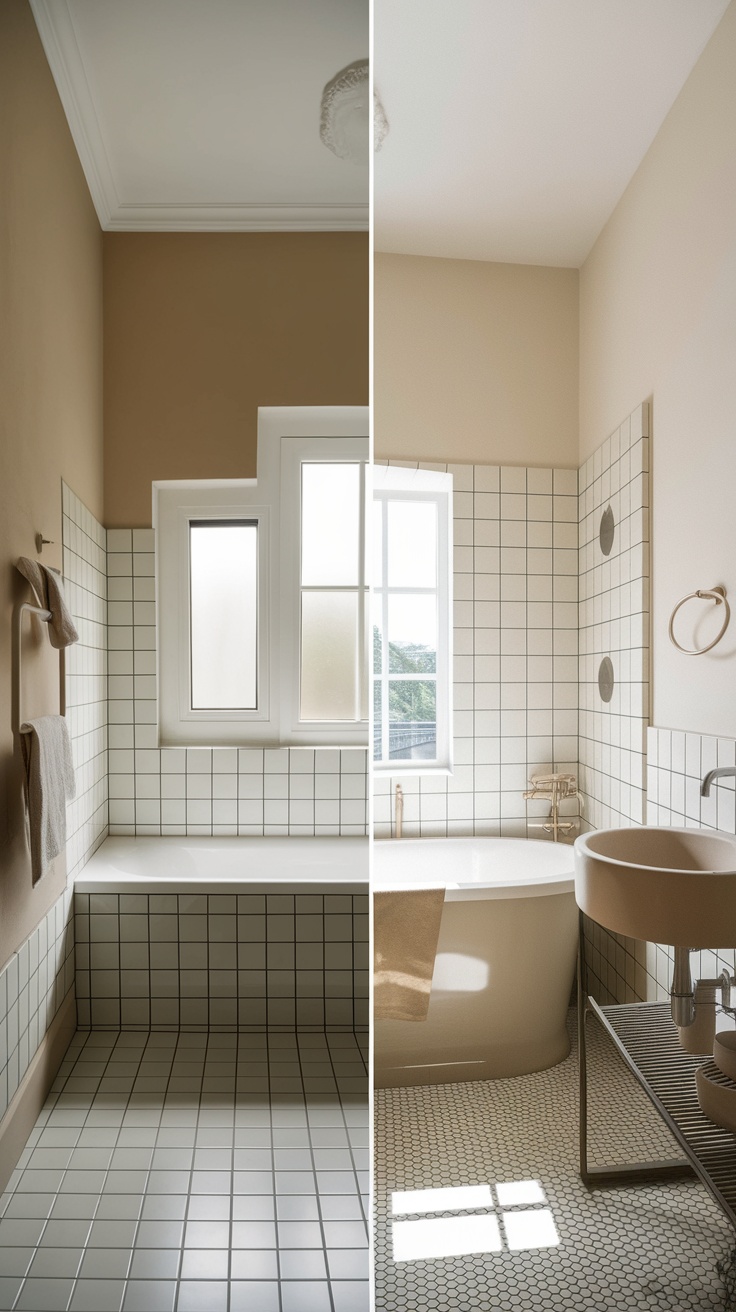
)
(675, 886)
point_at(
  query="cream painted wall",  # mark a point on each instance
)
(658, 320)
(475, 362)
(50, 398)
(203, 328)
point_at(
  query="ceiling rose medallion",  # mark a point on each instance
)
(345, 117)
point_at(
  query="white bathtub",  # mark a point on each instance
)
(216, 865)
(505, 959)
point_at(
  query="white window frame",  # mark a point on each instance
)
(398, 483)
(282, 432)
(178, 505)
(294, 452)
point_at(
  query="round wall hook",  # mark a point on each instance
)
(42, 542)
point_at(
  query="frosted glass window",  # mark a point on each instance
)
(412, 544)
(333, 655)
(330, 635)
(223, 615)
(330, 525)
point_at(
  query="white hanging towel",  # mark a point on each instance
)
(47, 756)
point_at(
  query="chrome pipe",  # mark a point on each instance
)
(682, 994)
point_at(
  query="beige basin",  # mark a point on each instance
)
(674, 886)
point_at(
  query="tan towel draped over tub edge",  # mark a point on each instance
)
(406, 927)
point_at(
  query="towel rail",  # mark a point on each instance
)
(718, 595)
(24, 608)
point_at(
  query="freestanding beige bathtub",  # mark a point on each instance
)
(505, 959)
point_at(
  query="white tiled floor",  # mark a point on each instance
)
(546, 1245)
(179, 1172)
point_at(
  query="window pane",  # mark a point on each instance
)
(329, 655)
(224, 607)
(412, 544)
(377, 720)
(412, 710)
(412, 634)
(363, 690)
(330, 524)
(377, 544)
(377, 608)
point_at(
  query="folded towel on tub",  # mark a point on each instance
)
(406, 927)
(47, 756)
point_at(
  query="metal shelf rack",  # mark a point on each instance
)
(646, 1038)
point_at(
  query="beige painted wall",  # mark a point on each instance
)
(50, 397)
(658, 319)
(201, 329)
(476, 362)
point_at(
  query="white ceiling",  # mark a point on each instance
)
(516, 125)
(204, 114)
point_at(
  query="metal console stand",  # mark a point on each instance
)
(645, 1037)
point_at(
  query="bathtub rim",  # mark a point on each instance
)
(344, 872)
(549, 884)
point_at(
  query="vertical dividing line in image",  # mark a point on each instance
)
(325, 1018)
(474, 819)
(370, 809)
(385, 686)
(527, 618)
(361, 672)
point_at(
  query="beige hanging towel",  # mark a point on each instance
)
(406, 927)
(48, 587)
(47, 756)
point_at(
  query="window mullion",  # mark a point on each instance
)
(384, 628)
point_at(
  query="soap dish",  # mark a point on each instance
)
(716, 1095)
(724, 1052)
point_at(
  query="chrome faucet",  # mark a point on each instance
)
(398, 811)
(554, 788)
(729, 770)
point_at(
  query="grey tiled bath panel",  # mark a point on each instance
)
(222, 961)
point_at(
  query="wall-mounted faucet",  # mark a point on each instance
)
(554, 788)
(729, 770)
(398, 811)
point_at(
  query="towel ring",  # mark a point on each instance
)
(718, 595)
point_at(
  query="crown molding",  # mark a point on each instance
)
(238, 218)
(58, 37)
(56, 29)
